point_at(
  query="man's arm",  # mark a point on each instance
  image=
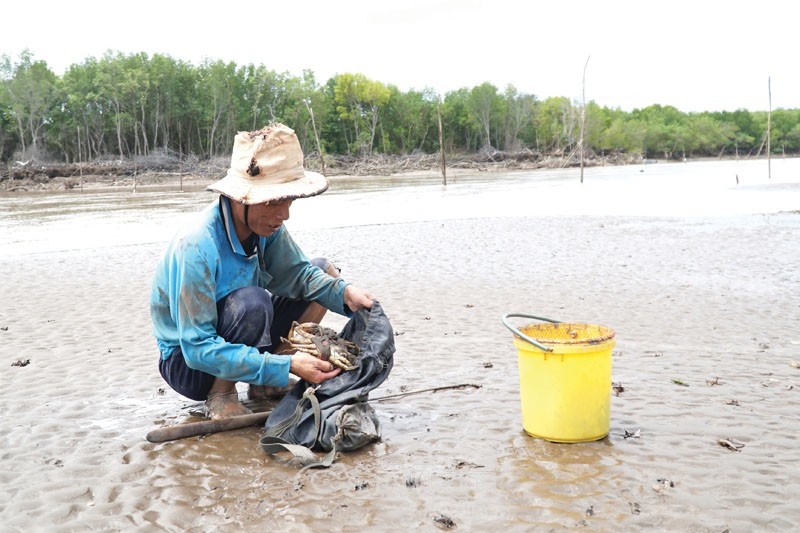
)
(293, 276)
(192, 290)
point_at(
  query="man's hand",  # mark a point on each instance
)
(311, 369)
(356, 299)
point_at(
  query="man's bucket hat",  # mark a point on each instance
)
(267, 165)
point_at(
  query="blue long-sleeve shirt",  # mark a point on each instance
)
(206, 261)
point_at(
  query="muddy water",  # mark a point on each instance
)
(75, 220)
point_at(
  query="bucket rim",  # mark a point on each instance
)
(549, 344)
(607, 334)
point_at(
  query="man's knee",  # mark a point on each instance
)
(245, 300)
(245, 315)
(327, 266)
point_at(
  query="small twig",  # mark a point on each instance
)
(731, 444)
(434, 389)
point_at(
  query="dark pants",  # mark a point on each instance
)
(249, 316)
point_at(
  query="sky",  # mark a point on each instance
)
(699, 55)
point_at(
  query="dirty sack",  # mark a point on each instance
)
(335, 416)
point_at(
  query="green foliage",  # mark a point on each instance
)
(483, 106)
(32, 94)
(410, 122)
(132, 105)
(556, 124)
(359, 101)
(517, 118)
(8, 137)
(456, 121)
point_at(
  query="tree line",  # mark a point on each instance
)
(131, 105)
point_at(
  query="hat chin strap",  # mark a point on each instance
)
(246, 221)
(246, 213)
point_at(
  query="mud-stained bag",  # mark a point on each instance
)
(335, 416)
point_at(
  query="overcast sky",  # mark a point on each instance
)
(699, 55)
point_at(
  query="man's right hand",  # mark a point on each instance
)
(311, 369)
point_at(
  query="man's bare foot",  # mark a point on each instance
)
(224, 405)
(261, 393)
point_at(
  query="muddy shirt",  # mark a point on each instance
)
(206, 261)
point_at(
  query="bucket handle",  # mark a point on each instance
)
(521, 335)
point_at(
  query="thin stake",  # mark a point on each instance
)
(769, 129)
(434, 389)
(206, 427)
(441, 141)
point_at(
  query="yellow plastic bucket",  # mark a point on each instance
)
(565, 379)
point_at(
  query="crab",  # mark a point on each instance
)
(323, 343)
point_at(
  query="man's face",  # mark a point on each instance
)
(266, 219)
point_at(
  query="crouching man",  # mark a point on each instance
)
(231, 283)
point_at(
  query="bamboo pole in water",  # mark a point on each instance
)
(80, 159)
(441, 141)
(583, 113)
(316, 137)
(769, 129)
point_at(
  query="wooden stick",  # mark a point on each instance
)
(583, 115)
(205, 427)
(441, 141)
(433, 389)
(769, 129)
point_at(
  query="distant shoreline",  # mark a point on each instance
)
(198, 179)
